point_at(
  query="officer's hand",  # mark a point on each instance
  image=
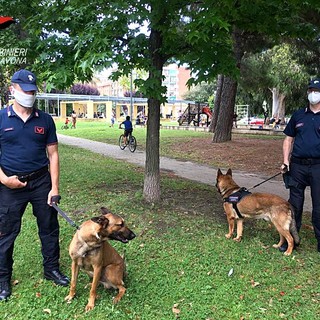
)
(13, 182)
(284, 168)
(55, 199)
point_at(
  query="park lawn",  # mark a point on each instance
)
(100, 130)
(180, 266)
(259, 154)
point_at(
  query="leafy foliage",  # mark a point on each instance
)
(275, 68)
(85, 89)
(202, 92)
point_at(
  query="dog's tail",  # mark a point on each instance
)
(293, 229)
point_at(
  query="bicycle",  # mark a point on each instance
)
(131, 142)
(65, 126)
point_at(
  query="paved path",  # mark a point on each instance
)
(184, 169)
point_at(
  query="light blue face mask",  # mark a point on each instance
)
(25, 100)
(314, 97)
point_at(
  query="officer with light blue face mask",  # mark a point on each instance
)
(301, 158)
(29, 173)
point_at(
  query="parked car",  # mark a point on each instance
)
(251, 121)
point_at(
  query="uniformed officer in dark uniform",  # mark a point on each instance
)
(29, 173)
(301, 154)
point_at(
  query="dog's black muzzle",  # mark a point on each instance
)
(123, 236)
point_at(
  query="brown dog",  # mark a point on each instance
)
(258, 206)
(91, 252)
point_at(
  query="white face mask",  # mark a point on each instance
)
(314, 97)
(25, 100)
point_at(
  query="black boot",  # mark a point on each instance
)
(284, 246)
(5, 290)
(57, 277)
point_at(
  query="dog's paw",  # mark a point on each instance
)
(69, 297)
(89, 307)
(228, 235)
(287, 253)
(276, 246)
(116, 300)
(237, 239)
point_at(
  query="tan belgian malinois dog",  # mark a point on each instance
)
(90, 251)
(256, 205)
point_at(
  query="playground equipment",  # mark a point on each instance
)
(194, 113)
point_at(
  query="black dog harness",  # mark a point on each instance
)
(235, 197)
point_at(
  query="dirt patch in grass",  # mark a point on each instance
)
(245, 153)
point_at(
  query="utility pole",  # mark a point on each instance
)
(131, 98)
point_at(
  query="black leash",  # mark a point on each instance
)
(64, 215)
(277, 174)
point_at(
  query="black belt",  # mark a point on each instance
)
(25, 177)
(306, 161)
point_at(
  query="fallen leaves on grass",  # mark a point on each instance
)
(254, 283)
(175, 309)
(15, 282)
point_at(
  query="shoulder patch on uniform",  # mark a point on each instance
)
(300, 124)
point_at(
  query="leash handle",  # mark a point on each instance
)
(56, 199)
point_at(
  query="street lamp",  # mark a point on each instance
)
(131, 99)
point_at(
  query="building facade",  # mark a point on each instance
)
(175, 80)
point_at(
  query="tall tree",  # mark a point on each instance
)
(78, 38)
(278, 71)
(248, 23)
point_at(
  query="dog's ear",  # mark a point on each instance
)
(219, 173)
(102, 220)
(104, 210)
(229, 172)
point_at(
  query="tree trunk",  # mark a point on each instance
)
(278, 105)
(275, 102)
(282, 108)
(217, 101)
(224, 125)
(151, 188)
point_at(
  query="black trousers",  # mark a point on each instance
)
(306, 175)
(13, 203)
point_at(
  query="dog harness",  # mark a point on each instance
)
(235, 197)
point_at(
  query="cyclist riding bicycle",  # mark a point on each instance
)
(128, 129)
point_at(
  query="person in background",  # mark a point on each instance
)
(74, 119)
(29, 173)
(112, 120)
(234, 120)
(265, 114)
(301, 158)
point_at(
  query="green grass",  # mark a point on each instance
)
(179, 259)
(101, 131)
